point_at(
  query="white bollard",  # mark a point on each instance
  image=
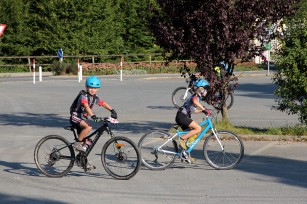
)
(78, 65)
(121, 69)
(80, 72)
(33, 71)
(40, 71)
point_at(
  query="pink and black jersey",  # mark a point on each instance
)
(87, 98)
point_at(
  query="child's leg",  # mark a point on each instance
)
(86, 128)
(195, 130)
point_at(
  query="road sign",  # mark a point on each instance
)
(60, 53)
(268, 46)
(2, 28)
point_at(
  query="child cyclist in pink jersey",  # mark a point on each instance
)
(83, 108)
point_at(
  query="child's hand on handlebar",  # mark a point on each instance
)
(96, 119)
(113, 114)
(207, 111)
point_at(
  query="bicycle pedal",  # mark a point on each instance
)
(164, 137)
(186, 160)
(185, 157)
(89, 168)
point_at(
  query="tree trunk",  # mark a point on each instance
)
(225, 118)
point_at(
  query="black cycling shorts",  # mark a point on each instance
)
(183, 120)
(75, 120)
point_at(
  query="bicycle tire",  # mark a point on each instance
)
(54, 156)
(177, 96)
(151, 157)
(121, 158)
(228, 158)
(229, 100)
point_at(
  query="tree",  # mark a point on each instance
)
(291, 77)
(41, 27)
(78, 27)
(216, 30)
(135, 18)
(15, 15)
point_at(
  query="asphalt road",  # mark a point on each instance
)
(270, 172)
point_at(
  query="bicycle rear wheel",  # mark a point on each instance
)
(121, 158)
(54, 156)
(154, 158)
(226, 158)
(178, 94)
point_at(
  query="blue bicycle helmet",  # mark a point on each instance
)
(202, 83)
(92, 81)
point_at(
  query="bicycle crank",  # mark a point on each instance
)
(185, 156)
(81, 161)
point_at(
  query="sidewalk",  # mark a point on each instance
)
(24, 74)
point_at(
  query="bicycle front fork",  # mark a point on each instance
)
(217, 137)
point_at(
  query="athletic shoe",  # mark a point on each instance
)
(78, 146)
(182, 143)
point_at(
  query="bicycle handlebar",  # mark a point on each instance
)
(212, 115)
(110, 120)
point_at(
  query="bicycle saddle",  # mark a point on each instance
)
(71, 128)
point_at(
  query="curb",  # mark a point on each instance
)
(147, 76)
(24, 74)
(288, 138)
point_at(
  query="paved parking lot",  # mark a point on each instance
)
(270, 172)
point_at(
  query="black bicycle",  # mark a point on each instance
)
(54, 156)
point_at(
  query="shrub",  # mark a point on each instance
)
(61, 68)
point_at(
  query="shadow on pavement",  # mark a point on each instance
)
(19, 168)
(5, 198)
(25, 119)
(264, 90)
(53, 120)
(285, 171)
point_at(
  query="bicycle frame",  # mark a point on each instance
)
(186, 93)
(98, 133)
(207, 123)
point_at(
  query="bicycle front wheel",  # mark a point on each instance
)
(156, 153)
(229, 100)
(121, 158)
(226, 152)
(180, 95)
(54, 156)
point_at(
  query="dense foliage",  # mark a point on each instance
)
(291, 78)
(216, 30)
(41, 27)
